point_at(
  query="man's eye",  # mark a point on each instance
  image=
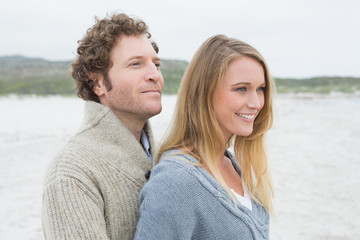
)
(135, 64)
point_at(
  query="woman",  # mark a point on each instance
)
(199, 190)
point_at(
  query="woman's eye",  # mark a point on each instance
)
(241, 89)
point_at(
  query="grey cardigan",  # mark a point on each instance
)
(182, 201)
(92, 187)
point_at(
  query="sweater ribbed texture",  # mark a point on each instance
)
(92, 186)
(182, 201)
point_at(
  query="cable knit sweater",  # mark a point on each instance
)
(91, 188)
(182, 201)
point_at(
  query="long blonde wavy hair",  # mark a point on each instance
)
(195, 127)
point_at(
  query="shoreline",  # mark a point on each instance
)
(300, 95)
(308, 95)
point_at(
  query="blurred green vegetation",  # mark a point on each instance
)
(21, 75)
(172, 71)
(320, 85)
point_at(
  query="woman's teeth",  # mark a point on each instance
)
(247, 116)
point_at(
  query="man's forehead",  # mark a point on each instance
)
(132, 47)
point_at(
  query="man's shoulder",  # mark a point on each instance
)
(93, 159)
(69, 160)
(77, 147)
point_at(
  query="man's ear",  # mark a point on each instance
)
(98, 84)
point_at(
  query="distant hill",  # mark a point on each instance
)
(320, 85)
(22, 75)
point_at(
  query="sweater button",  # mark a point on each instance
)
(147, 174)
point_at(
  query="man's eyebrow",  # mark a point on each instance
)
(135, 57)
(156, 59)
(140, 57)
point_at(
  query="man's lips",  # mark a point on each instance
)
(151, 91)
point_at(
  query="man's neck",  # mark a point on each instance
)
(133, 123)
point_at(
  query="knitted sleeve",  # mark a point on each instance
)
(72, 210)
(167, 207)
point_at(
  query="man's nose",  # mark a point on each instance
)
(153, 73)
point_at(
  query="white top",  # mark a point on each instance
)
(244, 200)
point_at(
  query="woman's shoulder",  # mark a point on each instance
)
(178, 157)
(179, 173)
(173, 179)
(176, 164)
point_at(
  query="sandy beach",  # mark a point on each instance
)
(314, 151)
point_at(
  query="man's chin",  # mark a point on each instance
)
(153, 111)
(157, 111)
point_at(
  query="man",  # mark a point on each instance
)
(92, 186)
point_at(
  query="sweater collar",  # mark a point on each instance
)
(108, 127)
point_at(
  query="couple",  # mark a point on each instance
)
(99, 186)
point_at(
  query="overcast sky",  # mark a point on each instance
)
(303, 38)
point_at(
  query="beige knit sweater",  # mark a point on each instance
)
(92, 186)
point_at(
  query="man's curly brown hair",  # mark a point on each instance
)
(93, 53)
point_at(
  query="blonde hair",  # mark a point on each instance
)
(195, 127)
